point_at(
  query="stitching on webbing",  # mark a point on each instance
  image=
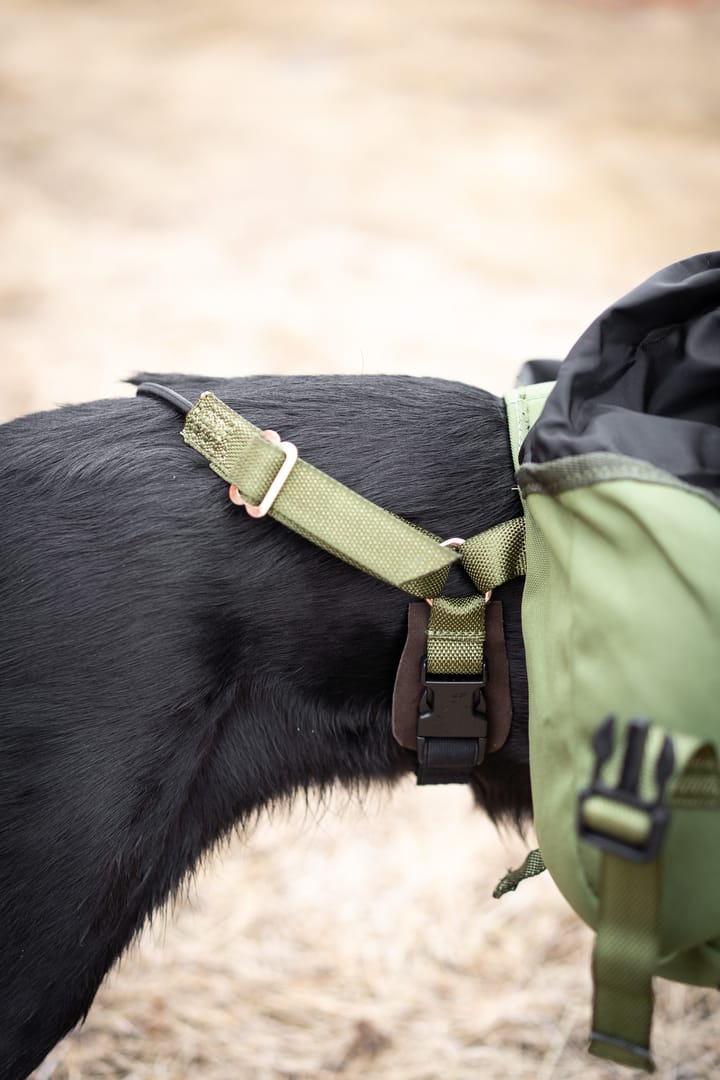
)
(522, 418)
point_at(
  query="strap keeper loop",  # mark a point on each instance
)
(291, 455)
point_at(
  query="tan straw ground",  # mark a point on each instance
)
(425, 186)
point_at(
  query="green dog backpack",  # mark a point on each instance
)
(618, 466)
(619, 473)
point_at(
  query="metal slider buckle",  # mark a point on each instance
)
(627, 792)
(290, 451)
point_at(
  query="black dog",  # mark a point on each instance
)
(168, 665)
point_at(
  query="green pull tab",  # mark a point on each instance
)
(534, 864)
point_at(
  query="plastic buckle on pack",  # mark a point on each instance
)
(639, 834)
(452, 708)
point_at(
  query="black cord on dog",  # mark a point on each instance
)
(151, 389)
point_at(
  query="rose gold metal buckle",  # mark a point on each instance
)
(290, 451)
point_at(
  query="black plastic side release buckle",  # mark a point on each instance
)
(646, 846)
(452, 727)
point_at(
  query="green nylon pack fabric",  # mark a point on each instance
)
(619, 618)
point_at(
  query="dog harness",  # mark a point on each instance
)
(449, 712)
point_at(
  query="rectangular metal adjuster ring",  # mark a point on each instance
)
(290, 451)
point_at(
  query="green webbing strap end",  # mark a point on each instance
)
(621, 1052)
(625, 957)
(534, 864)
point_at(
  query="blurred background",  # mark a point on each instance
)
(431, 187)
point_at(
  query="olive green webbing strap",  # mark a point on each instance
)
(448, 753)
(628, 949)
(339, 520)
(496, 555)
(698, 786)
(626, 955)
(456, 636)
(317, 507)
(456, 632)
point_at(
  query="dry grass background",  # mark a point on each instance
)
(426, 187)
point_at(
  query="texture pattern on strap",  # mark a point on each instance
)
(626, 954)
(456, 636)
(496, 555)
(698, 785)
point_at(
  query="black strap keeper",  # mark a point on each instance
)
(447, 761)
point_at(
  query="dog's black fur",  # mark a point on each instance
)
(168, 666)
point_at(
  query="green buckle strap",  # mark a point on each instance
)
(453, 725)
(628, 825)
(626, 954)
(456, 632)
(698, 784)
